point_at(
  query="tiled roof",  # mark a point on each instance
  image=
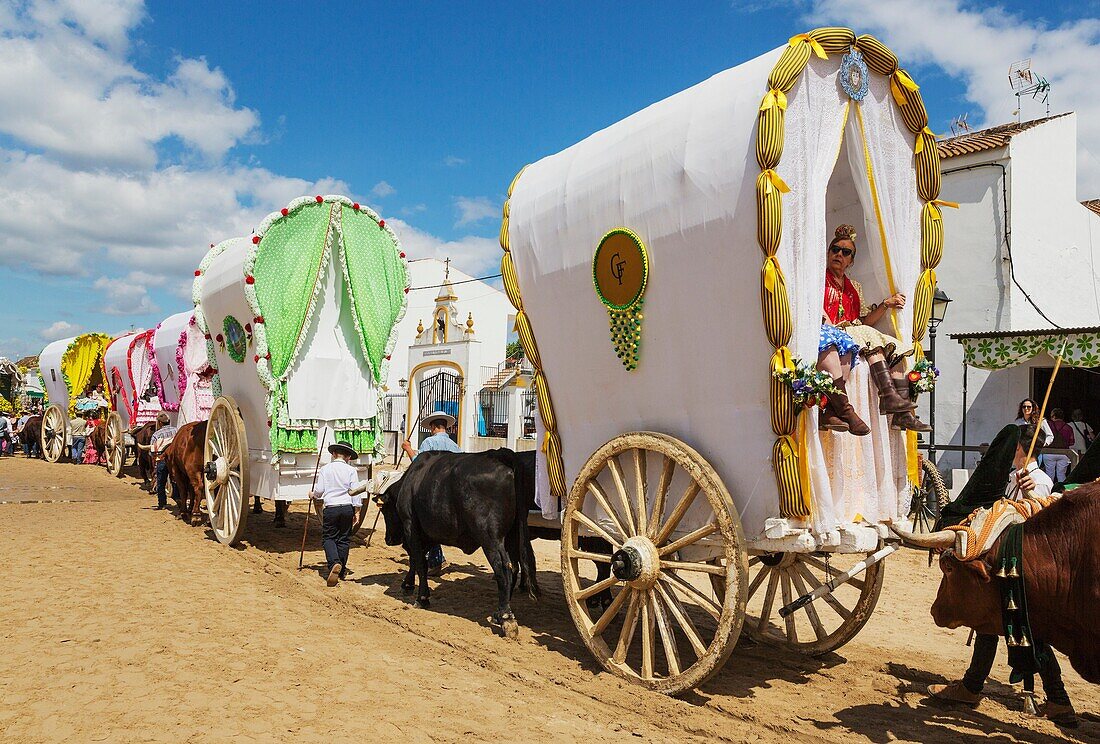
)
(987, 139)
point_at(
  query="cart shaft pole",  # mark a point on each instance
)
(829, 586)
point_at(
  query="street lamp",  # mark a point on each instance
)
(940, 301)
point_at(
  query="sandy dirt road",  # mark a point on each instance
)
(121, 623)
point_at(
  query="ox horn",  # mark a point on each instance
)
(145, 447)
(934, 541)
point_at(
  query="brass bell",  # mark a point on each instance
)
(1010, 636)
(1011, 642)
(1011, 606)
(1012, 572)
(1001, 573)
(1023, 642)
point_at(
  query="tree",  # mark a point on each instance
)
(514, 350)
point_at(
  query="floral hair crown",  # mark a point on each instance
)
(845, 232)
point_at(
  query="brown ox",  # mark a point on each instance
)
(98, 440)
(184, 457)
(1061, 559)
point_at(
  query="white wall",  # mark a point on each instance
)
(490, 307)
(1054, 247)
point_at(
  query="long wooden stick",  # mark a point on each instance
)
(316, 467)
(1046, 399)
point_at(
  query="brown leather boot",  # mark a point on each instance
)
(841, 409)
(888, 399)
(828, 420)
(907, 420)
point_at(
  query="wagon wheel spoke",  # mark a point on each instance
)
(690, 539)
(709, 568)
(769, 599)
(756, 582)
(640, 487)
(611, 611)
(711, 607)
(667, 470)
(664, 629)
(687, 627)
(648, 621)
(596, 490)
(596, 588)
(626, 635)
(616, 469)
(811, 611)
(583, 519)
(828, 598)
(792, 630)
(678, 513)
(594, 557)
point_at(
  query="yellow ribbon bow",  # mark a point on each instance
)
(773, 180)
(782, 359)
(772, 273)
(806, 39)
(919, 148)
(774, 98)
(900, 79)
(935, 212)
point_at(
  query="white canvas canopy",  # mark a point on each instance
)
(130, 382)
(70, 365)
(682, 174)
(180, 368)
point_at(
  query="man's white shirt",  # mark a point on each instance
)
(333, 483)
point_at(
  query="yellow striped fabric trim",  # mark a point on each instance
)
(878, 56)
(790, 65)
(511, 283)
(833, 39)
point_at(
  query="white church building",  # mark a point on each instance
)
(1021, 264)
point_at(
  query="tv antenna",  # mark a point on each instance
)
(959, 125)
(1024, 82)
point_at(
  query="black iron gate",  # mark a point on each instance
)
(440, 392)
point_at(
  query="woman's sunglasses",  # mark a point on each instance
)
(846, 252)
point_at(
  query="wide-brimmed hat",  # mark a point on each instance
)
(343, 448)
(446, 418)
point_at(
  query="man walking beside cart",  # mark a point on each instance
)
(335, 481)
(158, 443)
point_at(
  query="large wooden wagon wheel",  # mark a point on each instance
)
(226, 471)
(777, 579)
(55, 432)
(669, 526)
(115, 444)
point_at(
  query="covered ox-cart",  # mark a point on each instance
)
(68, 368)
(695, 500)
(299, 321)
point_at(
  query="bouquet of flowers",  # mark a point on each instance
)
(922, 378)
(810, 387)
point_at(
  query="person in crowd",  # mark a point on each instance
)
(98, 396)
(1028, 413)
(438, 441)
(335, 482)
(78, 426)
(846, 309)
(1026, 479)
(1056, 465)
(158, 443)
(91, 454)
(837, 353)
(7, 442)
(1083, 434)
(30, 444)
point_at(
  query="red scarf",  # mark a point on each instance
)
(841, 301)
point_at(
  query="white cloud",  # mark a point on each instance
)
(453, 161)
(414, 209)
(977, 43)
(473, 209)
(123, 297)
(60, 329)
(382, 189)
(474, 255)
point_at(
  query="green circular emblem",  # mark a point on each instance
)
(620, 269)
(236, 342)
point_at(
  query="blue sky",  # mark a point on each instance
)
(133, 135)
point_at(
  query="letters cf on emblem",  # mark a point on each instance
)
(617, 265)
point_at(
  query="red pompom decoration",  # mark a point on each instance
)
(284, 211)
(269, 422)
(206, 336)
(267, 355)
(198, 273)
(381, 223)
(255, 240)
(211, 245)
(250, 279)
(402, 254)
(406, 290)
(219, 338)
(387, 356)
(319, 199)
(355, 206)
(248, 327)
(256, 358)
(258, 319)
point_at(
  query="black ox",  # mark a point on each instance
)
(468, 501)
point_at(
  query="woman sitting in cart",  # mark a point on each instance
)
(845, 308)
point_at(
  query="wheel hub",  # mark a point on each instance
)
(637, 563)
(217, 471)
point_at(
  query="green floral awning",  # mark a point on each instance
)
(1000, 350)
